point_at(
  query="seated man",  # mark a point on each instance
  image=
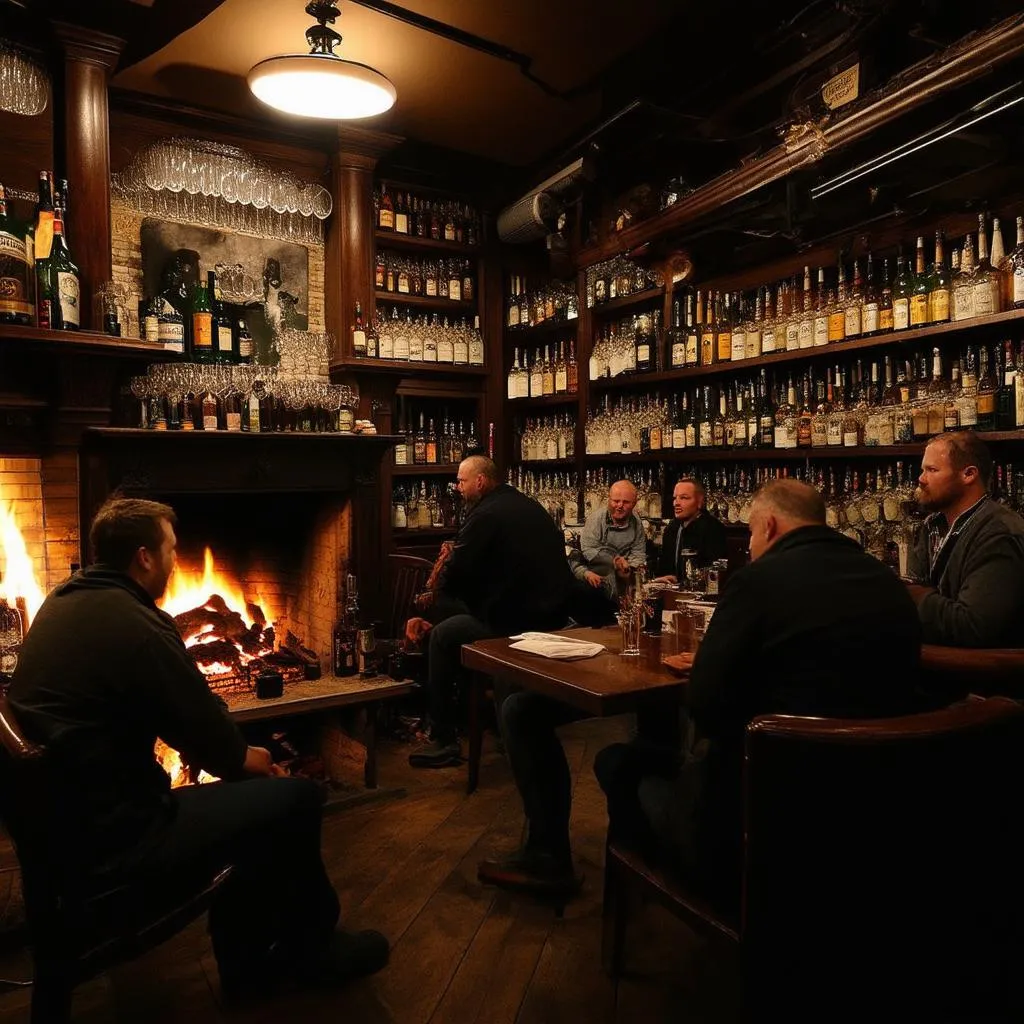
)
(970, 556)
(506, 573)
(813, 626)
(612, 542)
(693, 529)
(102, 674)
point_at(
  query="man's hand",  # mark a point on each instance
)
(919, 591)
(592, 578)
(259, 762)
(621, 566)
(665, 579)
(416, 629)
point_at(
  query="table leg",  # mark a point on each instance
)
(370, 740)
(476, 729)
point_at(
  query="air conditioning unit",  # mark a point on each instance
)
(536, 214)
(532, 217)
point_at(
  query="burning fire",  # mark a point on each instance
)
(170, 760)
(18, 579)
(191, 588)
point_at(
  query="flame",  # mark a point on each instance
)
(18, 579)
(190, 588)
(170, 760)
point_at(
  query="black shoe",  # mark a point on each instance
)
(436, 755)
(348, 955)
(541, 874)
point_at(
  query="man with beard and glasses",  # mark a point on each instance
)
(506, 574)
(103, 674)
(969, 559)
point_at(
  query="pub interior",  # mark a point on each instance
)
(381, 298)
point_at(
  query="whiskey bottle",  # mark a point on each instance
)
(358, 334)
(15, 271)
(919, 290)
(344, 639)
(902, 288)
(938, 286)
(59, 281)
(385, 210)
(202, 326)
(1013, 272)
(244, 343)
(987, 293)
(224, 339)
(677, 337)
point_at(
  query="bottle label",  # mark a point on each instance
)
(690, 354)
(14, 276)
(151, 329)
(359, 342)
(724, 346)
(224, 341)
(739, 345)
(476, 352)
(455, 290)
(430, 288)
(171, 334)
(900, 314)
(678, 437)
(643, 353)
(805, 336)
(387, 219)
(768, 340)
(678, 353)
(792, 336)
(402, 223)
(69, 290)
(853, 320)
(445, 350)
(561, 382)
(461, 355)
(984, 299)
(1018, 285)
(870, 324)
(44, 234)
(986, 403)
(429, 351)
(918, 310)
(821, 330)
(202, 331)
(837, 325)
(233, 420)
(885, 319)
(938, 304)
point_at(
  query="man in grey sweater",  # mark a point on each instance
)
(612, 542)
(969, 559)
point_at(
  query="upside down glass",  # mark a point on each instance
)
(629, 622)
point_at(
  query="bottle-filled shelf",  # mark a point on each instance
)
(935, 332)
(426, 469)
(527, 335)
(407, 367)
(616, 305)
(414, 243)
(543, 401)
(89, 340)
(426, 302)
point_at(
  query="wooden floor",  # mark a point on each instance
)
(461, 952)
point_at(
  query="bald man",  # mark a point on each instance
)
(506, 574)
(813, 626)
(612, 542)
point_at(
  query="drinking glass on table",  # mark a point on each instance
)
(630, 619)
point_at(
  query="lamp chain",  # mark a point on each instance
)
(321, 38)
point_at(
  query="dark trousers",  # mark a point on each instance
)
(444, 665)
(278, 907)
(528, 722)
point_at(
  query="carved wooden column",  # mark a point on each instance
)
(348, 280)
(89, 57)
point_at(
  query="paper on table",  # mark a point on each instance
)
(549, 645)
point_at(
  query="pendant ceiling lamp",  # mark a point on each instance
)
(320, 83)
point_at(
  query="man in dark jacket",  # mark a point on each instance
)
(813, 626)
(692, 530)
(103, 673)
(969, 558)
(507, 573)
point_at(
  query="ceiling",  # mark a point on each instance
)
(449, 95)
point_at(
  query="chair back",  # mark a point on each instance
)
(884, 855)
(409, 576)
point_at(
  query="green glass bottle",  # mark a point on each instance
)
(202, 326)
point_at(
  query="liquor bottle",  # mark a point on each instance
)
(561, 371)
(202, 325)
(854, 311)
(919, 290)
(821, 311)
(987, 292)
(572, 371)
(642, 344)
(15, 272)
(837, 307)
(210, 417)
(1013, 272)
(431, 445)
(386, 210)
(754, 328)
(419, 456)
(1006, 399)
(151, 321)
(805, 328)
(723, 317)
(63, 280)
(358, 334)
(221, 324)
(401, 216)
(512, 381)
(885, 315)
(476, 344)
(344, 639)
(705, 331)
(986, 394)
(768, 326)
(677, 337)
(243, 343)
(938, 286)
(869, 309)
(902, 288)
(766, 417)
(963, 282)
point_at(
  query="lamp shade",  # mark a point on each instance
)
(321, 85)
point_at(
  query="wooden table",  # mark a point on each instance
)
(328, 693)
(607, 684)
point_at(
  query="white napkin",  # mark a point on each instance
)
(549, 645)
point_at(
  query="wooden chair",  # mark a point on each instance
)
(881, 868)
(957, 671)
(409, 576)
(75, 936)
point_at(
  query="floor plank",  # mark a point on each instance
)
(462, 953)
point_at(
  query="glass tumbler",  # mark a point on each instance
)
(629, 623)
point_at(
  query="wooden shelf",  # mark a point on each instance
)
(603, 309)
(546, 463)
(426, 302)
(439, 531)
(413, 243)
(93, 341)
(880, 452)
(938, 332)
(526, 335)
(541, 401)
(430, 469)
(242, 436)
(405, 366)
